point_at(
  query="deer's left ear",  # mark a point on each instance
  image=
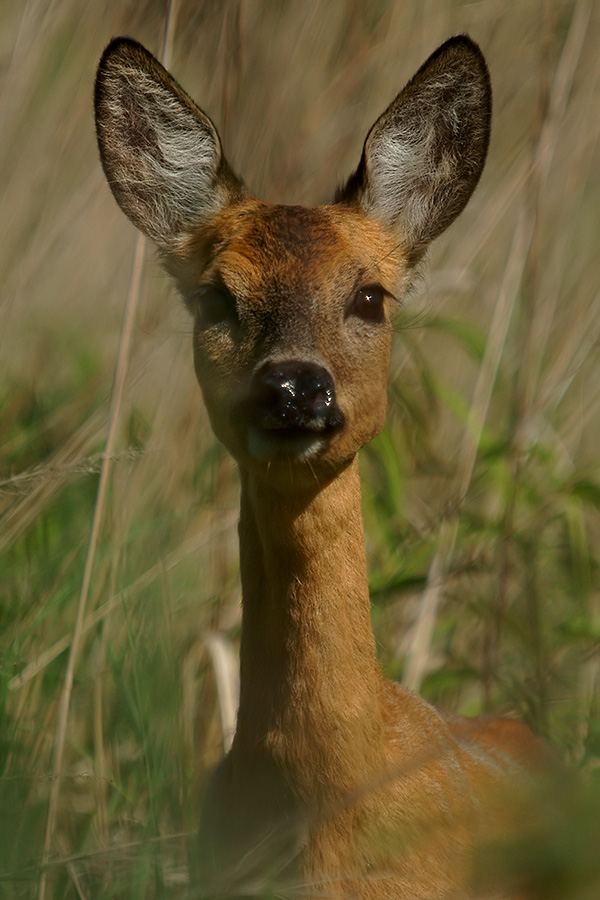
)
(161, 154)
(423, 157)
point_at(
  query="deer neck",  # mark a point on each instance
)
(310, 683)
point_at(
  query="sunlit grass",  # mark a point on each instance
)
(510, 470)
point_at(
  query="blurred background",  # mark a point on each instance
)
(480, 499)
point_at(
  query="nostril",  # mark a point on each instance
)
(316, 387)
(294, 395)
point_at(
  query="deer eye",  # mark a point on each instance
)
(214, 305)
(367, 303)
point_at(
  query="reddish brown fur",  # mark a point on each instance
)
(298, 267)
(337, 778)
(380, 782)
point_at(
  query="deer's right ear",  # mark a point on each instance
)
(423, 157)
(161, 154)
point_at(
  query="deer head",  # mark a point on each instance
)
(293, 306)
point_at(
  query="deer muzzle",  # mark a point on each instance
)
(291, 409)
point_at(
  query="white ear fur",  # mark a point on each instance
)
(423, 157)
(161, 154)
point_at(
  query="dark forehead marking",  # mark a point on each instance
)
(296, 231)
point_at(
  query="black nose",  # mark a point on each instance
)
(294, 396)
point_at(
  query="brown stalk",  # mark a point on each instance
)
(113, 422)
(188, 548)
(418, 654)
(419, 650)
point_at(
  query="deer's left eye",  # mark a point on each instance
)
(215, 305)
(367, 303)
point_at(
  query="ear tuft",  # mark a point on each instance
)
(161, 154)
(424, 156)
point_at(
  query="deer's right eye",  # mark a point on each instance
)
(214, 306)
(367, 303)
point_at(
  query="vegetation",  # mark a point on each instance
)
(481, 498)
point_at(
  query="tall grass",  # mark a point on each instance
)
(481, 497)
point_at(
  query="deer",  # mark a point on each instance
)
(339, 780)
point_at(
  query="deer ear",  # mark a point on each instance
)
(423, 157)
(161, 154)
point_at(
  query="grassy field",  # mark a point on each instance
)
(481, 498)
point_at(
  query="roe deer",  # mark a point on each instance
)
(338, 777)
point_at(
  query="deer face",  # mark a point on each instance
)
(292, 305)
(292, 325)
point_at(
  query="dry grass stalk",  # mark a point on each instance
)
(419, 648)
(226, 666)
(302, 93)
(113, 422)
(418, 653)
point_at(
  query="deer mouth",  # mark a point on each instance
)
(291, 411)
(270, 441)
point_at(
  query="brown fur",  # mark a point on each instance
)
(337, 778)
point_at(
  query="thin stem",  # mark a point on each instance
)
(418, 654)
(101, 495)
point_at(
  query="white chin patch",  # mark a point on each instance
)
(271, 445)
